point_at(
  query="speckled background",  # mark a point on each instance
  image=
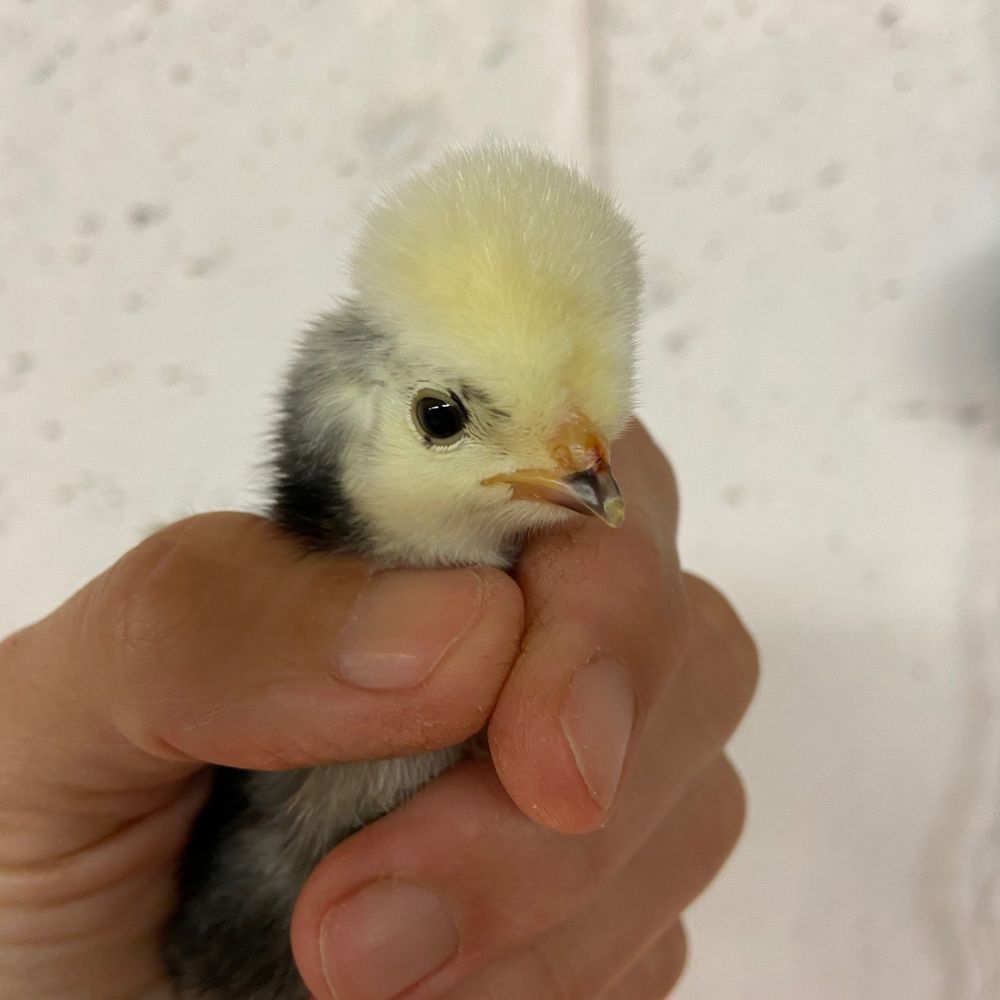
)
(818, 185)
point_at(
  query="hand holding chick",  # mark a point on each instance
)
(462, 399)
(216, 641)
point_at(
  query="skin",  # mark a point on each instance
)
(212, 641)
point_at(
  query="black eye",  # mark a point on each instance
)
(441, 418)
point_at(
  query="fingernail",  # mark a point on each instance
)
(403, 623)
(384, 939)
(597, 721)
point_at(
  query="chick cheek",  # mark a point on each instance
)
(403, 623)
(598, 721)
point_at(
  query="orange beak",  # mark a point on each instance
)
(580, 477)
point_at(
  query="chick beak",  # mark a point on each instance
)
(580, 477)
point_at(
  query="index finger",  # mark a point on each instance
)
(606, 627)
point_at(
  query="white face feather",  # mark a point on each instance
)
(510, 281)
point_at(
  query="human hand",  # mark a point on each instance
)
(218, 640)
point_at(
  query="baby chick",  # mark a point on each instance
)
(464, 398)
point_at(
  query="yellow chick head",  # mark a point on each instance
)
(502, 290)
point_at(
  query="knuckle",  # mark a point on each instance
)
(727, 802)
(669, 958)
(658, 970)
(150, 594)
(714, 816)
(675, 944)
(134, 602)
(733, 805)
(710, 606)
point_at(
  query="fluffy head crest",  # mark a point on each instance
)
(497, 253)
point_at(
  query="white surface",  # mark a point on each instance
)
(818, 183)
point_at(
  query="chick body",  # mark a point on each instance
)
(505, 286)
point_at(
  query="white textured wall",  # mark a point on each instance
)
(818, 182)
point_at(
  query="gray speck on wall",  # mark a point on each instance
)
(133, 302)
(80, 253)
(138, 33)
(65, 494)
(346, 166)
(782, 201)
(677, 342)
(915, 409)
(204, 265)
(902, 81)
(497, 53)
(889, 15)
(181, 376)
(714, 20)
(102, 494)
(989, 161)
(403, 132)
(180, 74)
(833, 240)
(661, 292)
(970, 414)
(734, 495)
(281, 217)
(112, 496)
(735, 185)
(258, 35)
(891, 289)
(111, 374)
(772, 26)
(143, 214)
(714, 250)
(688, 120)
(832, 174)
(44, 71)
(51, 430)
(20, 363)
(89, 224)
(701, 159)
(836, 543)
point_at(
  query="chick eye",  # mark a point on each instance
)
(441, 418)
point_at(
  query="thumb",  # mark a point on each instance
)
(218, 639)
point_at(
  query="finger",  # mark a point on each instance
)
(648, 896)
(656, 973)
(651, 977)
(592, 952)
(721, 617)
(220, 640)
(490, 879)
(723, 646)
(606, 628)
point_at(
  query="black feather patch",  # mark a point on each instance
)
(308, 499)
(229, 939)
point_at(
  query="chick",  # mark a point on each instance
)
(464, 398)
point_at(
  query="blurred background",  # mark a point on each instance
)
(818, 185)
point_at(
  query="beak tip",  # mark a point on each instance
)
(613, 512)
